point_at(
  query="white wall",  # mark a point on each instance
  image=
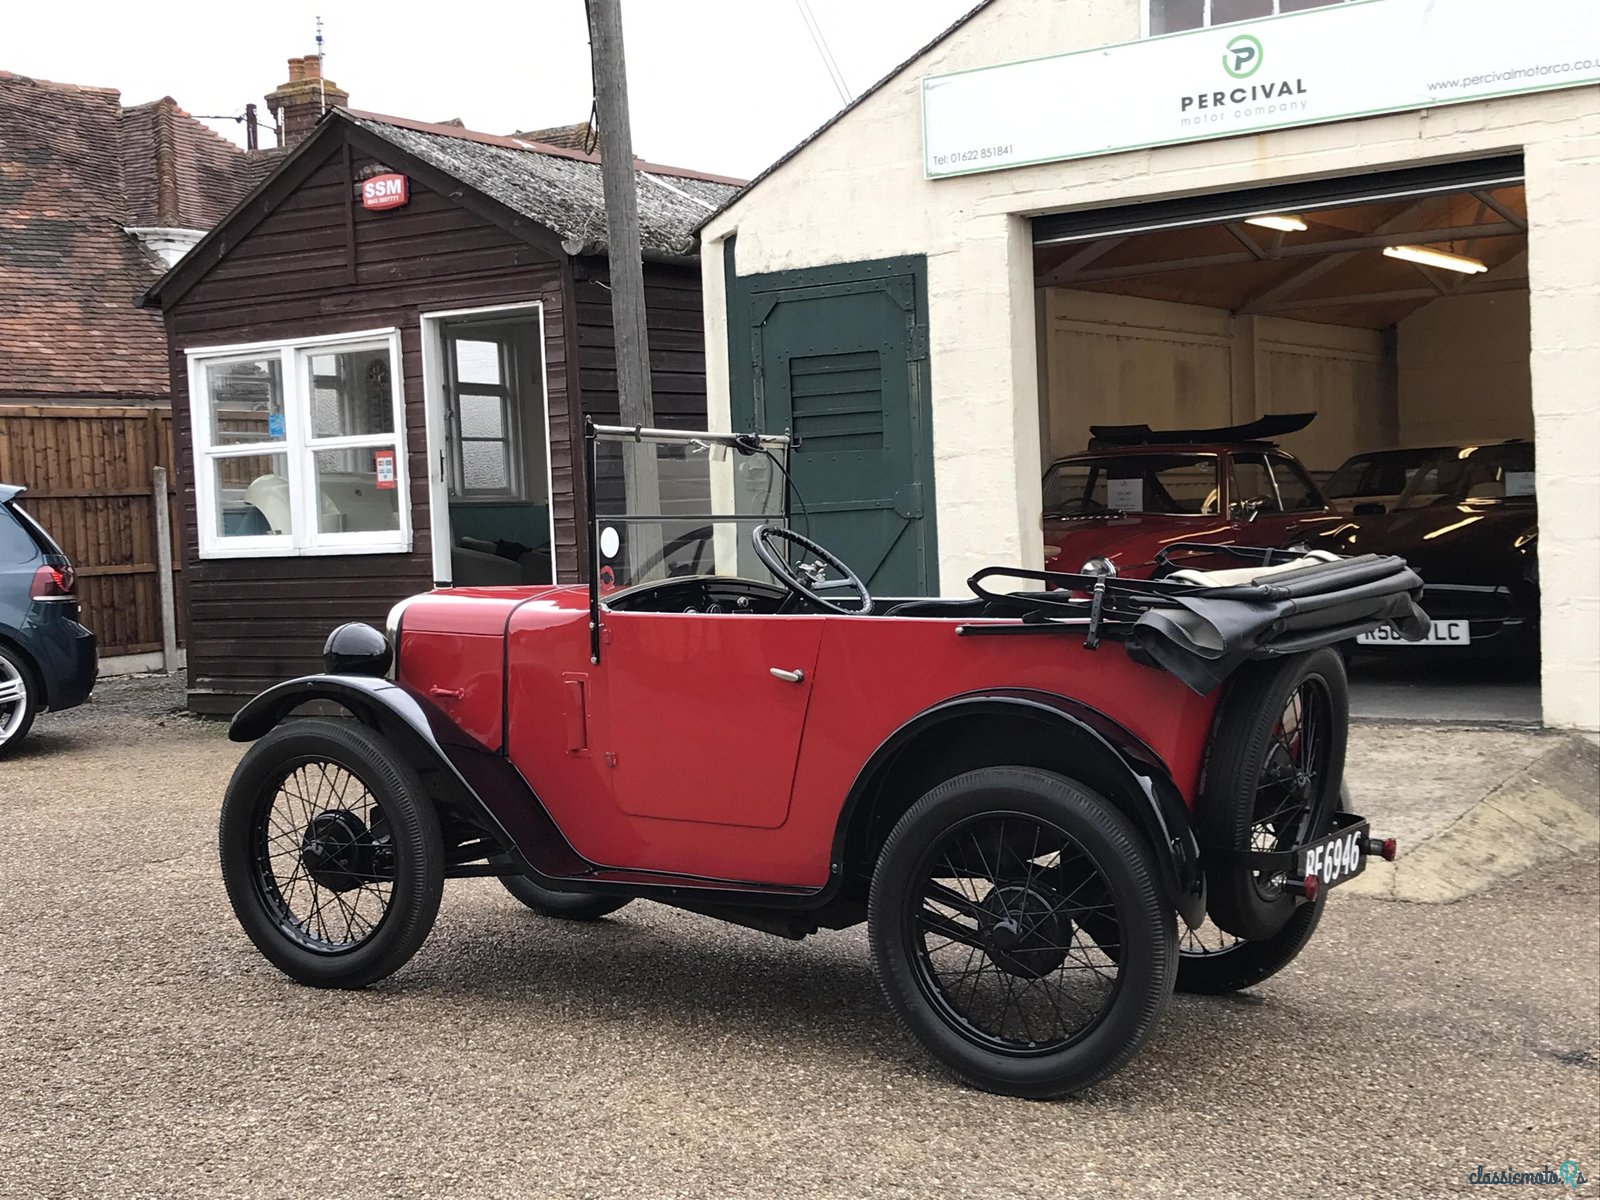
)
(1126, 360)
(1465, 374)
(858, 192)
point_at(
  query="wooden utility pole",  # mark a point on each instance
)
(627, 276)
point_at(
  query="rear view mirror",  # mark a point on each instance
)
(1371, 509)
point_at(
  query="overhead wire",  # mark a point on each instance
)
(821, 42)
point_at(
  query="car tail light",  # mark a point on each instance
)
(54, 583)
(1306, 888)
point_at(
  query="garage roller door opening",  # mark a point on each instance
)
(1394, 306)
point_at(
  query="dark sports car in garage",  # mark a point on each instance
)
(1468, 523)
(1372, 482)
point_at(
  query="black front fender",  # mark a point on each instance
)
(364, 695)
(461, 774)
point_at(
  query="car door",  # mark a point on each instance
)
(707, 711)
(1288, 505)
(1304, 510)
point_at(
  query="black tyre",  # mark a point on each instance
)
(331, 853)
(568, 906)
(1018, 931)
(1271, 782)
(19, 700)
(1213, 962)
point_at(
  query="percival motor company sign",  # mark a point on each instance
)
(1328, 64)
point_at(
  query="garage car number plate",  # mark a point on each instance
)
(1441, 633)
(1339, 857)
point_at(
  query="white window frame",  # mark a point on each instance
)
(435, 402)
(1146, 24)
(299, 446)
(516, 491)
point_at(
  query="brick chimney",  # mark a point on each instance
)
(298, 104)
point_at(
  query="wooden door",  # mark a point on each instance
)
(838, 357)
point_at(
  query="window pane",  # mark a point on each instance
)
(1171, 16)
(245, 401)
(1294, 489)
(1252, 488)
(1154, 483)
(1290, 6)
(252, 495)
(484, 467)
(482, 416)
(356, 490)
(350, 393)
(478, 362)
(1225, 11)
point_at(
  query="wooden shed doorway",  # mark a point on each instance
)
(488, 425)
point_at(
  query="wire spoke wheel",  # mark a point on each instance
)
(1290, 793)
(1019, 931)
(1207, 941)
(331, 852)
(1017, 939)
(1271, 785)
(325, 858)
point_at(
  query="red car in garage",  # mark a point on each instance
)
(1137, 491)
(1022, 793)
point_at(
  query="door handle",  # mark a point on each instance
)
(795, 676)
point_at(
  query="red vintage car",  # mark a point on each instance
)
(1138, 490)
(1024, 793)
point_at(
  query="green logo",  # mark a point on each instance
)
(1244, 56)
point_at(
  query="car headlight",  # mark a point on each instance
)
(357, 649)
(1099, 566)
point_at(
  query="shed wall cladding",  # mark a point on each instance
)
(254, 622)
(677, 343)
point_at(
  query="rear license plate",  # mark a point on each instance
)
(1338, 857)
(1441, 633)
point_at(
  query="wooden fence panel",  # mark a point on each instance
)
(87, 471)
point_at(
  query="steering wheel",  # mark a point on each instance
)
(815, 582)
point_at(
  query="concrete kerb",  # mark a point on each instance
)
(1545, 807)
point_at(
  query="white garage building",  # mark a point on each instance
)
(1054, 216)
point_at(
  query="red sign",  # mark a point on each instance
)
(385, 191)
(383, 467)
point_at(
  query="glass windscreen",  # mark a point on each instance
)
(1132, 483)
(1473, 473)
(666, 509)
(1383, 474)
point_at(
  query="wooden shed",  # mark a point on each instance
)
(380, 364)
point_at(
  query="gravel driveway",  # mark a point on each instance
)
(147, 1050)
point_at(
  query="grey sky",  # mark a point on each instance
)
(722, 85)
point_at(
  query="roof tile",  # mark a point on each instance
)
(560, 187)
(75, 169)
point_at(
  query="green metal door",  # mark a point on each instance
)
(838, 356)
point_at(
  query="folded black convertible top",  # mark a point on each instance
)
(1202, 634)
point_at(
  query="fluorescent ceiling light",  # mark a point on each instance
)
(1437, 258)
(1284, 222)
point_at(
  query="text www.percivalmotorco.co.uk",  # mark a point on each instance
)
(1542, 71)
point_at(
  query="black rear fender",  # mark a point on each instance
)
(1022, 728)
